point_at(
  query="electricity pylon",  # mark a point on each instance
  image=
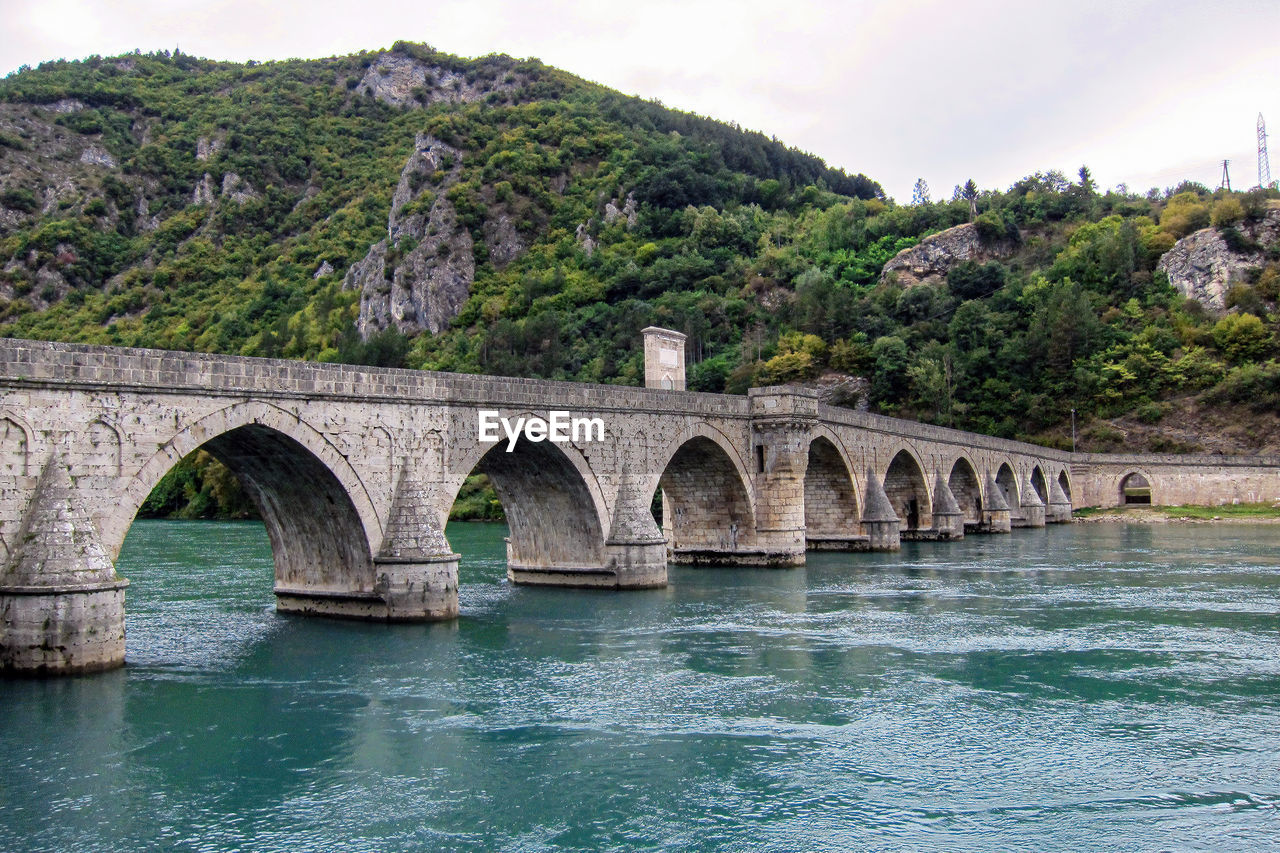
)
(1264, 161)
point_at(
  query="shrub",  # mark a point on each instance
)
(1245, 299)
(788, 367)
(7, 141)
(1268, 284)
(1227, 211)
(1156, 243)
(1149, 413)
(1241, 337)
(1236, 241)
(851, 356)
(968, 280)
(1184, 213)
(990, 227)
(19, 198)
(1258, 385)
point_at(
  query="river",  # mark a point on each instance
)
(1086, 687)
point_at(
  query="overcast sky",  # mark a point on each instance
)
(1144, 92)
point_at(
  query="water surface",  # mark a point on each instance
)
(1083, 687)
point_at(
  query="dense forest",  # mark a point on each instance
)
(162, 200)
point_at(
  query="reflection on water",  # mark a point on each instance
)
(1088, 687)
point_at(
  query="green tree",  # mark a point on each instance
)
(1242, 337)
(932, 378)
(890, 382)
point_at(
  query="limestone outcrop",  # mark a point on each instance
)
(203, 192)
(623, 207)
(504, 241)
(419, 276)
(403, 81)
(237, 188)
(1203, 266)
(96, 155)
(841, 389)
(929, 260)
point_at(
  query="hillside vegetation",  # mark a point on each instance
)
(494, 215)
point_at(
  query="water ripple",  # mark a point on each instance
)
(1080, 688)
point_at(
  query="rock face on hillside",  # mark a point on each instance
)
(419, 277)
(930, 259)
(60, 170)
(1203, 267)
(402, 81)
(841, 389)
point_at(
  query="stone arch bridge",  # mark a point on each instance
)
(355, 469)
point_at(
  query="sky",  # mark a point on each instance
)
(1143, 92)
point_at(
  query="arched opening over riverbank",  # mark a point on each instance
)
(905, 487)
(1135, 488)
(830, 498)
(963, 483)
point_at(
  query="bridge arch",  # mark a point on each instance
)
(964, 484)
(1136, 488)
(1040, 485)
(831, 504)
(707, 503)
(1064, 481)
(317, 511)
(555, 510)
(908, 491)
(1007, 483)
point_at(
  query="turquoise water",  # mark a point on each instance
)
(1085, 687)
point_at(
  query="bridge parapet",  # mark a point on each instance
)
(114, 369)
(899, 429)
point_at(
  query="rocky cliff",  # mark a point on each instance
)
(930, 259)
(420, 275)
(1204, 265)
(405, 81)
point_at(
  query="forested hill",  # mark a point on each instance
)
(500, 216)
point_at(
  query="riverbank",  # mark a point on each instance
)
(1263, 513)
